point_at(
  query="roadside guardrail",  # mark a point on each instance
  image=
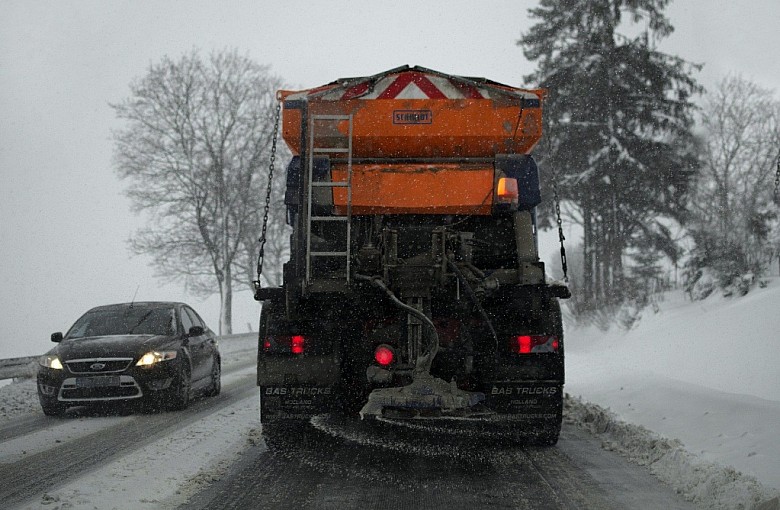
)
(11, 368)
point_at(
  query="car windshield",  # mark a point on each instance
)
(126, 321)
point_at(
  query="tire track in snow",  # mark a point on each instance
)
(29, 424)
(316, 466)
(55, 466)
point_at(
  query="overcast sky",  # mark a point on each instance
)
(64, 221)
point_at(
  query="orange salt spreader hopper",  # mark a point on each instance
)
(422, 142)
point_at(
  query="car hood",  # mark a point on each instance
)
(114, 346)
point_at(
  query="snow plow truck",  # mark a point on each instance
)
(414, 289)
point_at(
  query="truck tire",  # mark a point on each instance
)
(550, 433)
(353, 388)
(548, 438)
(286, 434)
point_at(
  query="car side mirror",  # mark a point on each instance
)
(56, 337)
(196, 331)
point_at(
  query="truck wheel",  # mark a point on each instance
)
(284, 434)
(547, 437)
(537, 434)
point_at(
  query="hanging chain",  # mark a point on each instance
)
(561, 238)
(777, 182)
(261, 254)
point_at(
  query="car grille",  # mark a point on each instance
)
(98, 365)
(99, 388)
(100, 393)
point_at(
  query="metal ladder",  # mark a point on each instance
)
(313, 151)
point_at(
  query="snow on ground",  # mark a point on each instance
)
(692, 391)
(156, 476)
(18, 398)
(701, 374)
(62, 431)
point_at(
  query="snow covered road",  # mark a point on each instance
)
(212, 456)
(337, 464)
(90, 460)
(661, 402)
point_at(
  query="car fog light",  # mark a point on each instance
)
(46, 389)
(160, 384)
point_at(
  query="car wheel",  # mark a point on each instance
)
(180, 392)
(53, 408)
(216, 379)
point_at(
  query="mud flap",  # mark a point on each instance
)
(295, 402)
(526, 401)
(426, 395)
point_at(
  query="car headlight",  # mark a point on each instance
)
(50, 362)
(154, 357)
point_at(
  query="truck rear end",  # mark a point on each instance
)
(414, 288)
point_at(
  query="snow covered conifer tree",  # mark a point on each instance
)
(617, 130)
(733, 219)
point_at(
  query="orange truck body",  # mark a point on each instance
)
(423, 142)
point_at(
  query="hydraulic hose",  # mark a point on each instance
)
(424, 362)
(473, 297)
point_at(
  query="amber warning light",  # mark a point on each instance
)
(506, 190)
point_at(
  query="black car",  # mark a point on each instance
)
(154, 353)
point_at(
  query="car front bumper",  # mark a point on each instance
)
(131, 384)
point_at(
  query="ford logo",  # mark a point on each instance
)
(97, 366)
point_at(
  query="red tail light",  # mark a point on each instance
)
(297, 344)
(524, 344)
(527, 344)
(384, 355)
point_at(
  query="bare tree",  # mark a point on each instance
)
(277, 246)
(195, 149)
(731, 201)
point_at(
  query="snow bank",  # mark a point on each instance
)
(704, 373)
(708, 485)
(18, 398)
(728, 344)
